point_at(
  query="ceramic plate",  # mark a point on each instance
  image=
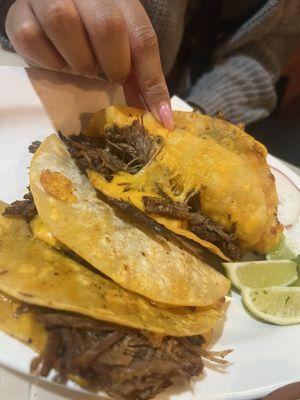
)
(33, 104)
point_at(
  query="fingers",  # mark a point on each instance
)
(61, 23)
(132, 93)
(146, 61)
(108, 35)
(29, 40)
(115, 36)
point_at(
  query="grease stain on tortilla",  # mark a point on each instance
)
(27, 269)
(58, 186)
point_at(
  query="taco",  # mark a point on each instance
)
(137, 258)
(87, 327)
(208, 181)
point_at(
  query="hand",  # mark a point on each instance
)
(110, 37)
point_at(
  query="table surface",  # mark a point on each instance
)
(14, 386)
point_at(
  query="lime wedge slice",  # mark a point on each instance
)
(297, 283)
(283, 251)
(278, 305)
(261, 274)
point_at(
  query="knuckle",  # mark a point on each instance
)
(108, 25)
(144, 39)
(120, 76)
(25, 37)
(153, 84)
(88, 69)
(58, 14)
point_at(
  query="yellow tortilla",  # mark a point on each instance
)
(134, 258)
(206, 155)
(23, 327)
(35, 273)
(234, 139)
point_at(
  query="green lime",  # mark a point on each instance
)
(261, 274)
(296, 283)
(283, 251)
(278, 305)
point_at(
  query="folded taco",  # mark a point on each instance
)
(208, 181)
(123, 249)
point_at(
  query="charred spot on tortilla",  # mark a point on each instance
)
(202, 226)
(127, 148)
(25, 208)
(34, 146)
(58, 186)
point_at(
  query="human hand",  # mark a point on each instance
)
(114, 38)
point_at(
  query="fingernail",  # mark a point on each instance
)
(166, 116)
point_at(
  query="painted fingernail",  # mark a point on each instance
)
(166, 116)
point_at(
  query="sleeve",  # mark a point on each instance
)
(167, 18)
(242, 83)
(4, 7)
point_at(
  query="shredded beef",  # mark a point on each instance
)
(135, 216)
(135, 213)
(166, 207)
(124, 362)
(200, 225)
(34, 146)
(22, 208)
(128, 149)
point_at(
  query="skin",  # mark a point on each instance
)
(111, 38)
(289, 392)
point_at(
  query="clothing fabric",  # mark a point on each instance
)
(246, 62)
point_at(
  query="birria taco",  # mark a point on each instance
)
(127, 252)
(207, 181)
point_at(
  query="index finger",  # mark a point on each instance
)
(146, 61)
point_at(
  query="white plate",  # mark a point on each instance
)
(31, 105)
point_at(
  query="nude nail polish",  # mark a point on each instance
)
(166, 116)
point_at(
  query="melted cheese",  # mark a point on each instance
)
(23, 327)
(40, 231)
(177, 175)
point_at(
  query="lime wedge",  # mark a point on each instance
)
(278, 305)
(283, 251)
(261, 274)
(296, 283)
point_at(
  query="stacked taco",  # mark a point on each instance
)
(104, 265)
